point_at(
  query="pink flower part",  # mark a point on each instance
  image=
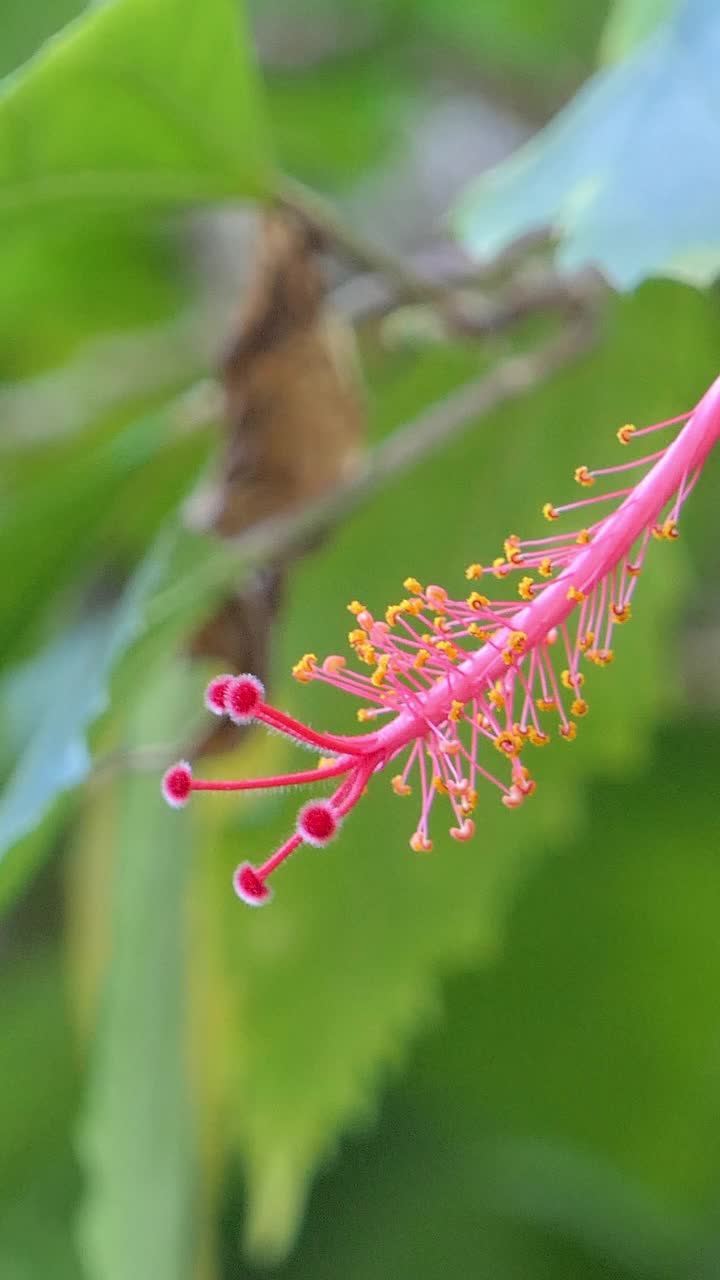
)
(318, 823)
(466, 686)
(177, 784)
(242, 695)
(215, 695)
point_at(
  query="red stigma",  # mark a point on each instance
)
(317, 823)
(242, 696)
(177, 784)
(215, 695)
(250, 887)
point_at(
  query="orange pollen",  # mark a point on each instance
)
(500, 567)
(577, 596)
(412, 584)
(583, 537)
(545, 704)
(625, 433)
(399, 787)
(549, 512)
(621, 613)
(579, 707)
(525, 588)
(568, 731)
(355, 607)
(474, 571)
(456, 711)
(583, 476)
(439, 785)
(546, 567)
(448, 649)
(477, 601)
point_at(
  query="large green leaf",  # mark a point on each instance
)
(630, 22)
(626, 174)
(323, 990)
(38, 1094)
(50, 703)
(137, 1143)
(138, 102)
(563, 1119)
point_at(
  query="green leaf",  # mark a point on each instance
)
(38, 1094)
(50, 703)
(626, 174)
(142, 103)
(324, 990)
(630, 22)
(140, 1217)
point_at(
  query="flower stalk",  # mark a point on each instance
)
(463, 688)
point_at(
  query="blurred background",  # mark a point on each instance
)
(240, 249)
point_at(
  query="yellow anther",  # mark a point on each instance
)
(474, 571)
(634, 569)
(586, 642)
(521, 733)
(546, 568)
(304, 669)
(525, 588)
(477, 601)
(482, 721)
(412, 584)
(378, 676)
(545, 704)
(568, 731)
(355, 607)
(670, 529)
(365, 713)
(583, 538)
(600, 657)
(500, 567)
(437, 597)
(413, 606)
(508, 743)
(574, 594)
(496, 698)
(512, 550)
(356, 637)
(444, 646)
(326, 762)
(450, 748)
(366, 654)
(549, 512)
(421, 657)
(579, 707)
(582, 476)
(420, 843)
(625, 433)
(480, 633)
(441, 624)
(456, 711)
(439, 785)
(517, 641)
(538, 737)
(571, 681)
(621, 613)
(392, 613)
(399, 787)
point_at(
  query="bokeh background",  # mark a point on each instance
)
(501, 1060)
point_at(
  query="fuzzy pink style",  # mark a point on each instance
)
(464, 679)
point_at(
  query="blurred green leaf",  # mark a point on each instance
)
(147, 103)
(630, 22)
(137, 1141)
(625, 175)
(324, 990)
(50, 703)
(38, 1093)
(563, 1119)
(26, 23)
